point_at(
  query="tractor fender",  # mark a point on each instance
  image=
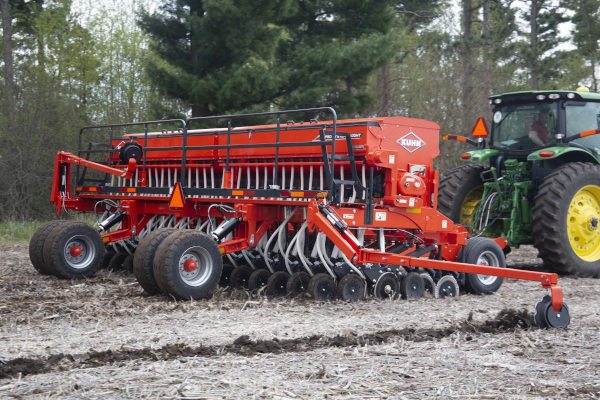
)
(478, 155)
(564, 154)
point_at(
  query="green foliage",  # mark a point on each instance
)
(539, 57)
(223, 56)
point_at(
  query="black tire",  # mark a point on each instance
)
(258, 278)
(483, 251)
(351, 288)
(429, 285)
(116, 262)
(240, 276)
(298, 283)
(143, 260)
(277, 284)
(412, 286)
(36, 246)
(179, 248)
(66, 237)
(551, 224)
(108, 255)
(128, 264)
(454, 189)
(226, 275)
(386, 287)
(321, 287)
(447, 286)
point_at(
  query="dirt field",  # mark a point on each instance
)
(103, 338)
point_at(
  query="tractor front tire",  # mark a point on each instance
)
(566, 219)
(459, 193)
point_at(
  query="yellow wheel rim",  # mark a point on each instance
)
(583, 223)
(470, 205)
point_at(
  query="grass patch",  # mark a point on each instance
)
(20, 232)
(17, 232)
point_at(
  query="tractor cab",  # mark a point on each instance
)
(525, 122)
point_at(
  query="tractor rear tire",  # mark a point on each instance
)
(459, 193)
(143, 260)
(566, 226)
(185, 249)
(73, 250)
(36, 246)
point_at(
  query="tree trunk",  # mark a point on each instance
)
(383, 90)
(533, 44)
(8, 59)
(467, 63)
(485, 33)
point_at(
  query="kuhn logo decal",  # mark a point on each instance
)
(411, 142)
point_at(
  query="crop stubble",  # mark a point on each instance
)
(104, 338)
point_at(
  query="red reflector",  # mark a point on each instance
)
(465, 156)
(546, 154)
(285, 193)
(127, 190)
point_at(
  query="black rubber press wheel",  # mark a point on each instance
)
(321, 287)
(351, 288)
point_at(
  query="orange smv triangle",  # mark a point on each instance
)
(177, 200)
(480, 129)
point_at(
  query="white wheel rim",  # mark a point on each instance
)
(87, 255)
(488, 258)
(204, 266)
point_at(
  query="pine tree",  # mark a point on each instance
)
(538, 47)
(587, 35)
(224, 56)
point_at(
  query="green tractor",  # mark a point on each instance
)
(538, 181)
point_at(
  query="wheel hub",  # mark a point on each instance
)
(582, 223)
(190, 265)
(75, 251)
(387, 289)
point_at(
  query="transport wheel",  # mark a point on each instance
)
(546, 317)
(447, 286)
(116, 262)
(321, 287)
(128, 264)
(428, 283)
(258, 279)
(240, 276)
(73, 250)
(108, 255)
(412, 286)
(483, 251)
(143, 259)
(36, 246)
(226, 275)
(187, 265)
(276, 284)
(566, 219)
(351, 288)
(459, 194)
(298, 283)
(386, 287)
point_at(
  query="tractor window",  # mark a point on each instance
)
(584, 117)
(524, 126)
